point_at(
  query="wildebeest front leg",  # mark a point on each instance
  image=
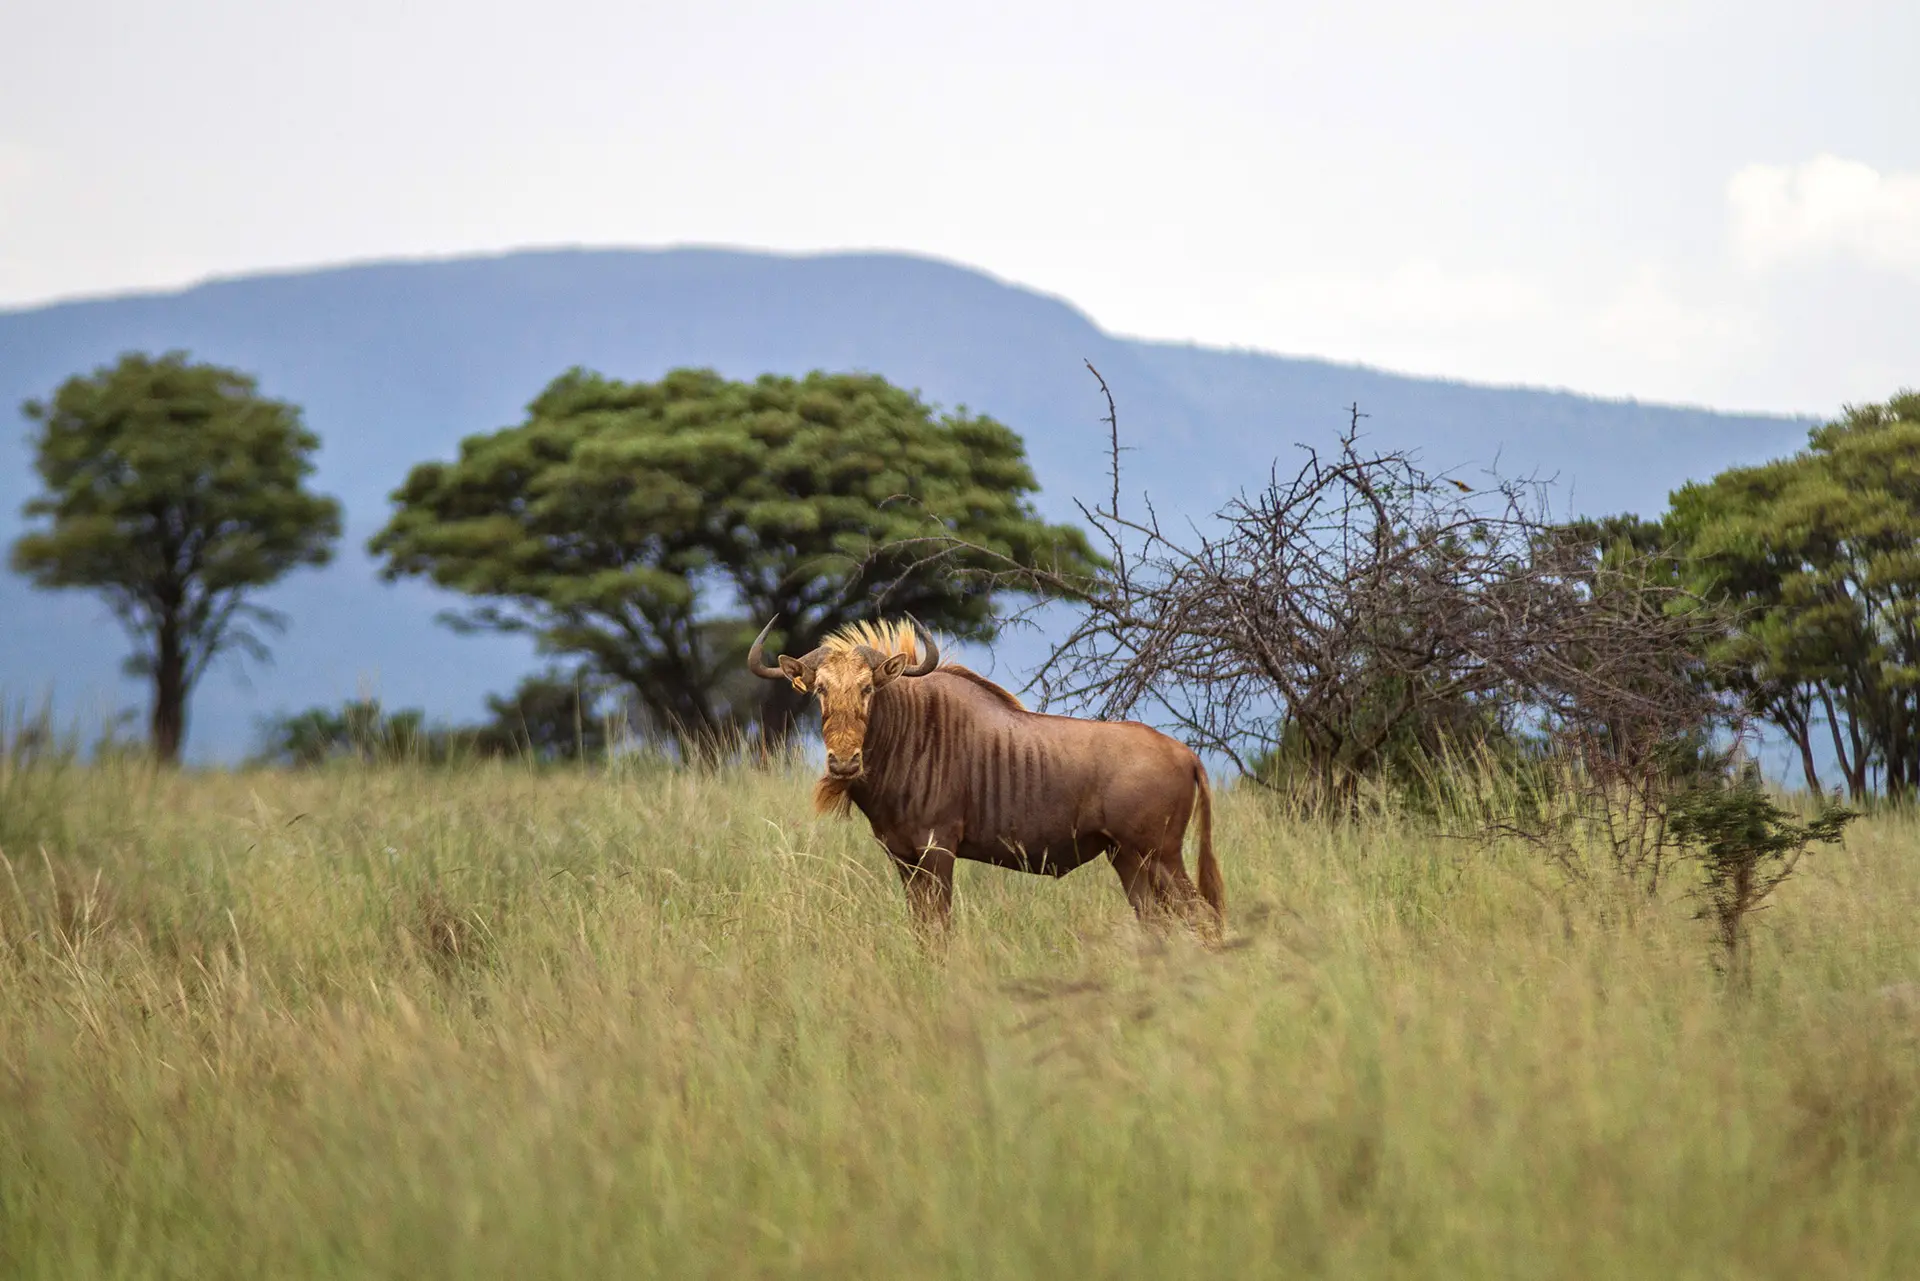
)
(927, 872)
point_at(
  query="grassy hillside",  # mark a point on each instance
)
(371, 1023)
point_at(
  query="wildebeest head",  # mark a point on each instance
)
(846, 673)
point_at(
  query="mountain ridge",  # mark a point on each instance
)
(536, 250)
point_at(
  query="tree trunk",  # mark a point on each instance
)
(1902, 752)
(169, 726)
(690, 723)
(1853, 767)
(681, 714)
(782, 708)
(1805, 743)
(1800, 730)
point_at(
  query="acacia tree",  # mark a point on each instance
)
(650, 528)
(1817, 558)
(176, 491)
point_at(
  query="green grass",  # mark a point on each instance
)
(490, 1022)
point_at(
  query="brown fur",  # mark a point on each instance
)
(951, 766)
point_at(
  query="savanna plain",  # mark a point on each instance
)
(504, 1021)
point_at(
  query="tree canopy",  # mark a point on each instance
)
(650, 527)
(1817, 557)
(175, 490)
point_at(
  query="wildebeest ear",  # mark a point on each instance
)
(795, 671)
(888, 669)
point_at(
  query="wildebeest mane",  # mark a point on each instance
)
(895, 636)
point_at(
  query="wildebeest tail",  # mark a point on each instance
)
(1212, 888)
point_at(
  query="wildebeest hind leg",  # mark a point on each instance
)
(1156, 883)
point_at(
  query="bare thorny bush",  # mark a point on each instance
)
(1361, 604)
(1356, 597)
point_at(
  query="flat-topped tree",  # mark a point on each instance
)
(646, 526)
(176, 491)
(1817, 558)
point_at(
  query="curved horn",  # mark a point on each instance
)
(930, 659)
(756, 659)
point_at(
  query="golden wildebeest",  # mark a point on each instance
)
(945, 764)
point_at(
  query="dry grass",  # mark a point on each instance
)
(490, 1022)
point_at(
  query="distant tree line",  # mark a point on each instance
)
(644, 530)
(1348, 625)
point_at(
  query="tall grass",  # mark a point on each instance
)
(495, 1021)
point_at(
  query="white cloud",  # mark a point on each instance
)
(1826, 207)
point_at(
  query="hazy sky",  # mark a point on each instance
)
(1716, 203)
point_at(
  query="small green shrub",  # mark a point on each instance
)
(362, 730)
(1745, 845)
